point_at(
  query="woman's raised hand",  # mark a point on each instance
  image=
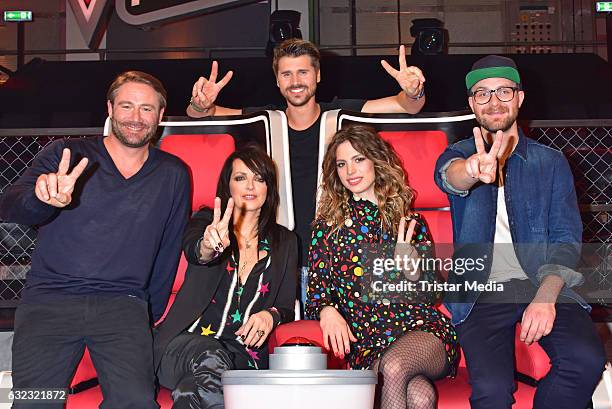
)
(404, 251)
(216, 234)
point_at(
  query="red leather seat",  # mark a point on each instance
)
(452, 393)
(419, 151)
(204, 156)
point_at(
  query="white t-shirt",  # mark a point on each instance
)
(505, 265)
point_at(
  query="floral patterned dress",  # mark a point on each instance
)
(338, 278)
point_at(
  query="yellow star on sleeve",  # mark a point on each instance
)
(206, 331)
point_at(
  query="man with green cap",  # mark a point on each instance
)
(513, 204)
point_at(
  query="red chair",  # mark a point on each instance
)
(203, 145)
(204, 156)
(419, 151)
(452, 393)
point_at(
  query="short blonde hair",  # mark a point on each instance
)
(139, 77)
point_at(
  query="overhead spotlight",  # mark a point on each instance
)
(430, 37)
(284, 24)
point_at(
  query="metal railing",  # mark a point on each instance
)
(103, 53)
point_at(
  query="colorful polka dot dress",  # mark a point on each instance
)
(336, 262)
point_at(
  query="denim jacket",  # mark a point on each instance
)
(542, 211)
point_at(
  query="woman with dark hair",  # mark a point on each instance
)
(365, 203)
(240, 284)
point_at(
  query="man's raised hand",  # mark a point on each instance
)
(56, 189)
(410, 79)
(483, 165)
(205, 91)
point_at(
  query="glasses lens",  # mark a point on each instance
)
(482, 96)
(505, 94)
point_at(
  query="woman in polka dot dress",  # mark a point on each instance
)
(364, 201)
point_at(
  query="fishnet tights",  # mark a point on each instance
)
(406, 370)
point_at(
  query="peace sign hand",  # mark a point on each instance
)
(405, 251)
(205, 91)
(56, 189)
(216, 234)
(483, 165)
(410, 79)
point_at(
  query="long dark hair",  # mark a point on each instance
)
(261, 164)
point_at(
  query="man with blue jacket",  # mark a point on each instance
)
(513, 203)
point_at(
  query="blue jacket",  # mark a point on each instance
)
(543, 215)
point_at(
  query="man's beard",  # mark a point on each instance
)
(493, 127)
(308, 94)
(131, 143)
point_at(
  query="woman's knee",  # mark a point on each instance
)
(391, 368)
(421, 393)
(211, 361)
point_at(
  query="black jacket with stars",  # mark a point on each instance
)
(202, 282)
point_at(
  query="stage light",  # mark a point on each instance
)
(284, 24)
(430, 37)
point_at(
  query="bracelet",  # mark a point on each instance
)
(215, 254)
(421, 94)
(276, 317)
(196, 107)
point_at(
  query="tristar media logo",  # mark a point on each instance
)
(92, 16)
(139, 12)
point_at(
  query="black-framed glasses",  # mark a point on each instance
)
(483, 96)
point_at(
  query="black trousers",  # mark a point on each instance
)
(50, 338)
(192, 366)
(487, 339)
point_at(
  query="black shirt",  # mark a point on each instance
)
(303, 156)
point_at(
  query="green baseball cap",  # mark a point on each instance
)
(492, 66)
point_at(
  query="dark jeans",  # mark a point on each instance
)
(50, 338)
(487, 339)
(192, 366)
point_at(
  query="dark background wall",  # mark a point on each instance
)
(245, 27)
(72, 94)
(48, 93)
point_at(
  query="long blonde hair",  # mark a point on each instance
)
(391, 188)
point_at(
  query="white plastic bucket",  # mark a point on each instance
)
(291, 389)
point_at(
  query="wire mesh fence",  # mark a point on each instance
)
(587, 148)
(17, 241)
